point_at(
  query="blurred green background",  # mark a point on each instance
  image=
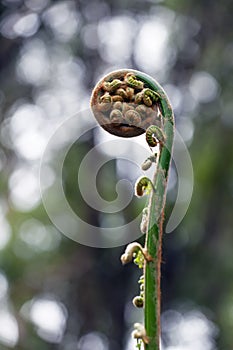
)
(54, 292)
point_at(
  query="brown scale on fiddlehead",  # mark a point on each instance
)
(142, 110)
(116, 116)
(138, 98)
(127, 107)
(105, 102)
(116, 98)
(124, 91)
(133, 117)
(118, 105)
(129, 92)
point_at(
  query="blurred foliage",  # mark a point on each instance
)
(54, 292)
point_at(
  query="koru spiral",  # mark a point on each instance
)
(125, 105)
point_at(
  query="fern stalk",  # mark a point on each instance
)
(144, 92)
(155, 225)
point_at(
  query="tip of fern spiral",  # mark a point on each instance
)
(123, 104)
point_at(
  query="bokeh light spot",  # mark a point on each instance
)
(38, 236)
(33, 64)
(27, 25)
(9, 332)
(49, 316)
(204, 87)
(93, 340)
(62, 19)
(24, 189)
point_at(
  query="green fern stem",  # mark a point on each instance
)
(155, 221)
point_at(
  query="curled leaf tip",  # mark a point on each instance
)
(154, 135)
(140, 333)
(138, 301)
(148, 162)
(130, 252)
(143, 186)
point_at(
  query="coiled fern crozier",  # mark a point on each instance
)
(128, 103)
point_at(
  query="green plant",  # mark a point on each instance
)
(128, 103)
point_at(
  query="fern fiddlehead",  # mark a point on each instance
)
(128, 103)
